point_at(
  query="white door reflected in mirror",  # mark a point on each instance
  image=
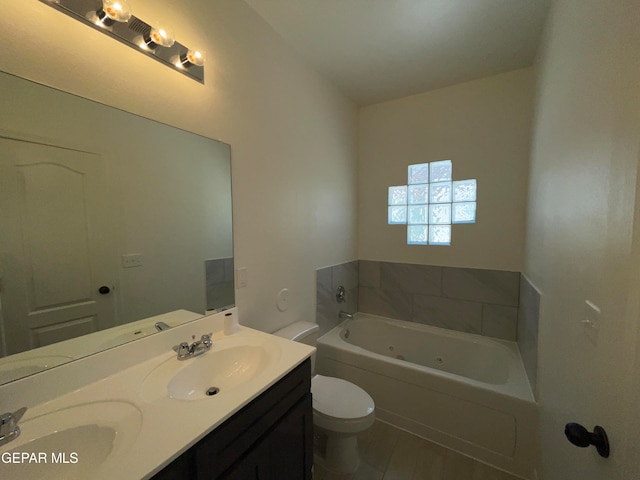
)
(56, 243)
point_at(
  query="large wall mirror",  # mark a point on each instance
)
(112, 227)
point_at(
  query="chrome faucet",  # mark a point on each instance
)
(198, 347)
(342, 315)
(160, 326)
(9, 429)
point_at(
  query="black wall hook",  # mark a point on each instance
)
(581, 437)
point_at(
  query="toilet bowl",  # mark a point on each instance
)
(341, 410)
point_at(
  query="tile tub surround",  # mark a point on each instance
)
(328, 279)
(528, 316)
(493, 303)
(471, 300)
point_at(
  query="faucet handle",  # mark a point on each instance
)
(18, 414)
(206, 339)
(12, 418)
(182, 349)
(9, 425)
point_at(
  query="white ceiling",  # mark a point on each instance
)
(377, 50)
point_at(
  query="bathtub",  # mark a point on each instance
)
(466, 392)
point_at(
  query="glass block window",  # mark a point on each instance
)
(417, 235)
(440, 235)
(398, 195)
(397, 215)
(418, 194)
(441, 171)
(417, 215)
(418, 173)
(464, 191)
(440, 214)
(431, 203)
(441, 192)
(464, 212)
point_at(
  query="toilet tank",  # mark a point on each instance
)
(303, 332)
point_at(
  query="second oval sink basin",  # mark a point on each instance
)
(215, 372)
(71, 443)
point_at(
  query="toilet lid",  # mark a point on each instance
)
(340, 399)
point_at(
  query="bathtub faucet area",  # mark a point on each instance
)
(342, 315)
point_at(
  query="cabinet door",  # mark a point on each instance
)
(182, 468)
(245, 469)
(287, 452)
(231, 442)
(269, 439)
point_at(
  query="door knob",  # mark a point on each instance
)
(104, 290)
(581, 437)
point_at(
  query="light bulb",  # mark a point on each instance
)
(192, 57)
(161, 36)
(113, 11)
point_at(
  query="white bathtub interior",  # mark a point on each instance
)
(463, 391)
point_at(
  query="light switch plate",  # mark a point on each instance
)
(241, 277)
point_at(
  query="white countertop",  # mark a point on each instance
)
(155, 428)
(32, 361)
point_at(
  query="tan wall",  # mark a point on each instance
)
(483, 126)
(580, 244)
(292, 135)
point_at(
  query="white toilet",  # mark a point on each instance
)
(341, 410)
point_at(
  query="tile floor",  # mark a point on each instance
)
(388, 453)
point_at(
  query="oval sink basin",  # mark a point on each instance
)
(216, 372)
(223, 370)
(70, 443)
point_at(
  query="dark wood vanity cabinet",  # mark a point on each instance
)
(270, 438)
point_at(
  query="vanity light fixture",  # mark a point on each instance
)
(114, 18)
